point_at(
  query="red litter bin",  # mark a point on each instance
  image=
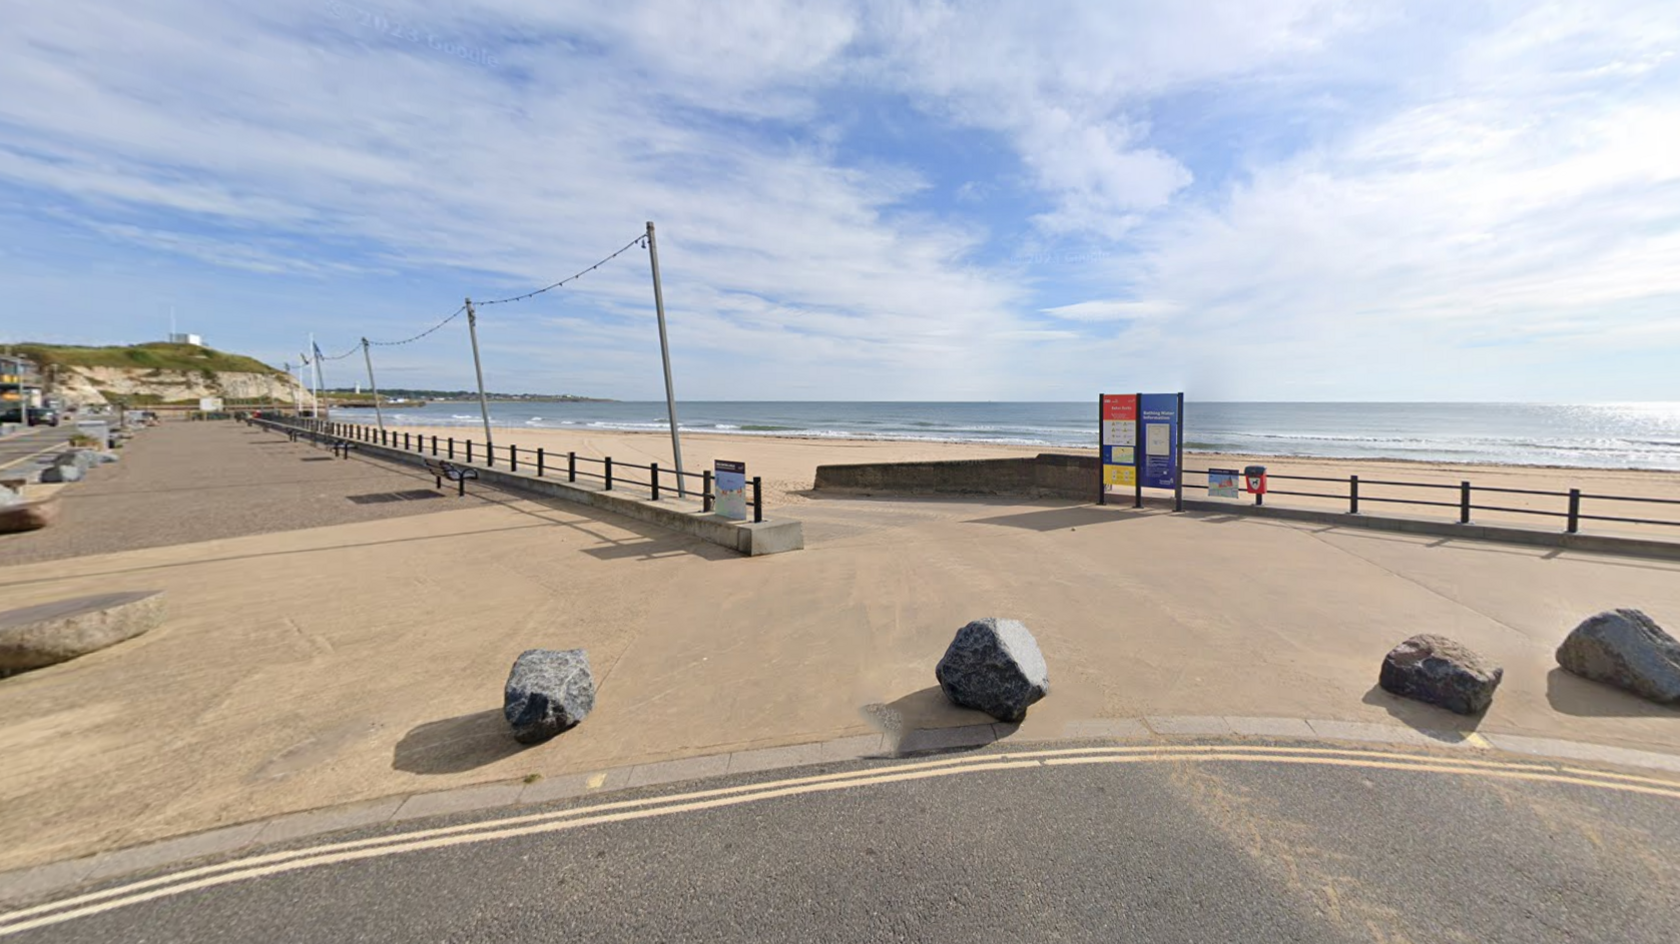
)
(1255, 478)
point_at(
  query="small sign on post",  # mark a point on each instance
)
(730, 480)
(210, 404)
(1222, 483)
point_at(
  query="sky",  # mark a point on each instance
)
(1287, 200)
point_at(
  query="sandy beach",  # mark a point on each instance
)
(788, 467)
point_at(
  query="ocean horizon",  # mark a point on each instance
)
(1605, 436)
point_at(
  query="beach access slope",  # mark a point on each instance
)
(327, 665)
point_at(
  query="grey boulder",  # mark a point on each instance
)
(994, 665)
(80, 458)
(1439, 671)
(62, 473)
(1627, 649)
(547, 692)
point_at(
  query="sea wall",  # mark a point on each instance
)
(1046, 475)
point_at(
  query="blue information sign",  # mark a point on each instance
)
(1158, 440)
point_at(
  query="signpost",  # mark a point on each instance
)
(1141, 441)
(1222, 483)
(730, 480)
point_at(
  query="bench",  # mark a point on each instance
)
(455, 473)
(342, 447)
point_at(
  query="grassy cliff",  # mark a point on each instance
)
(156, 355)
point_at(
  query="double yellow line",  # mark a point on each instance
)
(275, 863)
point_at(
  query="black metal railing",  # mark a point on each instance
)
(1570, 501)
(537, 463)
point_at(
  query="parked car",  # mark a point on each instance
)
(38, 416)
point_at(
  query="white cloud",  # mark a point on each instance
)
(1453, 179)
(1112, 310)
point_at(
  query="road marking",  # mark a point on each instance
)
(622, 811)
(595, 780)
(1150, 750)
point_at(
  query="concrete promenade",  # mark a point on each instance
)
(358, 661)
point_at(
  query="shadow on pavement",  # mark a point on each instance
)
(456, 745)
(1585, 698)
(1438, 723)
(926, 720)
(1055, 519)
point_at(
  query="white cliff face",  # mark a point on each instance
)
(89, 386)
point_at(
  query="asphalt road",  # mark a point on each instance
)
(19, 446)
(1152, 850)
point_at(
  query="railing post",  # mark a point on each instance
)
(571, 467)
(706, 490)
(539, 462)
(1464, 503)
(434, 444)
(405, 442)
(489, 452)
(452, 447)
(653, 478)
(513, 457)
(609, 473)
(1353, 494)
(1574, 510)
(758, 499)
(469, 450)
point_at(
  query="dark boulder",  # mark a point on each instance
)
(994, 665)
(547, 692)
(1439, 671)
(1627, 649)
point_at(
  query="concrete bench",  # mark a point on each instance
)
(455, 473)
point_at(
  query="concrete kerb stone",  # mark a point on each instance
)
(43, 880)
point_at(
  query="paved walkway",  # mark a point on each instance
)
(365, 661)
(1148, 841)
(183, 482)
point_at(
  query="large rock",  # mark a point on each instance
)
(1627, 649)
(1438, 671)
(37, 636)
(994, 665)
(63, 473)
(27, 515)
(80, 458)
(547, 692)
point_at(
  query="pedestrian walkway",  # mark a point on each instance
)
(182, 482)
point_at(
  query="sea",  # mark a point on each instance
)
(1606, 436)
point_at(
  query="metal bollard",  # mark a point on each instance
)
(452, 447)
(469, 450)
(513, 458)
(434, 444)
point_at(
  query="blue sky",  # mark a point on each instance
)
(865, 200)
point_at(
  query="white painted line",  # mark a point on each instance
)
(278, 863)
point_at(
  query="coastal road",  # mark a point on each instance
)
(17, 448)
(1193, 841)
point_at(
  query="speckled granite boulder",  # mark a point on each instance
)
(547, 692)
(994, 665)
